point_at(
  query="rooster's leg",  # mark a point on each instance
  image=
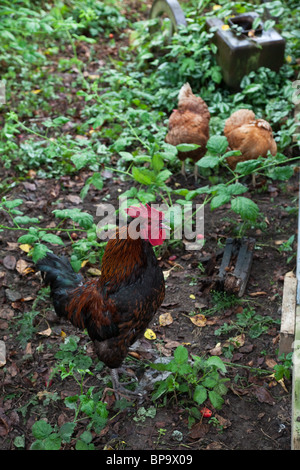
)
(182, 168)
(196, 172)
(119, 389)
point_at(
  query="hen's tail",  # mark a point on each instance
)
(58, 273)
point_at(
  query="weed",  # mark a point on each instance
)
(192, 381)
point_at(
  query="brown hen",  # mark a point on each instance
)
(253, 137)
(189, 124)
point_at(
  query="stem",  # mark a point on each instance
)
(253, 369)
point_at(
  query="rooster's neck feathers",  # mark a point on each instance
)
(122, 260)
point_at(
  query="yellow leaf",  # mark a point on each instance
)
(199, 320)
(35, 92)
(149, 334)
(94, 272)
(192, 296)
(225, 27)
(165, 319)
(63, 334)
(216, 7)
(25, 248)
(288, 59)
(84, 263)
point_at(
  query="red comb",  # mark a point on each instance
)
(145, 212)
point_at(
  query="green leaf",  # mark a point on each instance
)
(41, 429)
(217, 144)
(215, 399)
(28, 238)
(216, 362)
(236, 188)
(245, 207)
(252, 88)
(248, 167)
(51, 238)
(24, 220)
(84, 219)
(281, 173)
(208, 162)
(181, 355)
(200, 394)
(157, 162)
(143, 176)
(12, 204)
(66, 431)
(53, 442)
(219, 200)
(187, 147)
(39, 251)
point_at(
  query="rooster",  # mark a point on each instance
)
(253, 137)
(189, 124)
(116, 307)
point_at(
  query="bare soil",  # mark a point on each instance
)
(257, 410)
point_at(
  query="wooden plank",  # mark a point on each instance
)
(288, 311)
(296, 385)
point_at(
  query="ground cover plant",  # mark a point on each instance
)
(89, 88)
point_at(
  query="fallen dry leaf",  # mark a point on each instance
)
(198, 320)
(165, 319)
(94, 272)
(46, 332)
(238, 341)
(9, 262)
(21, 266)
(255, 294)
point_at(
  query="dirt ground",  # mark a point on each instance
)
(257, 410)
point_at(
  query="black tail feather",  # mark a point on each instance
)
(59, 274)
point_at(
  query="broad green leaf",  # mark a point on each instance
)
(157, 162)
(143, 176)
(53, 442)
(236, 188)
(41, 429)
(39, 251)
(51, 238)
(245, 207)
(84, 219)
(180, 355)
(200, 394)
(281, 173)
(219, 200)
(28, 238)
(216, 362)
(215, 399)
(66, 431)
(217, 144)
(208, 162)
